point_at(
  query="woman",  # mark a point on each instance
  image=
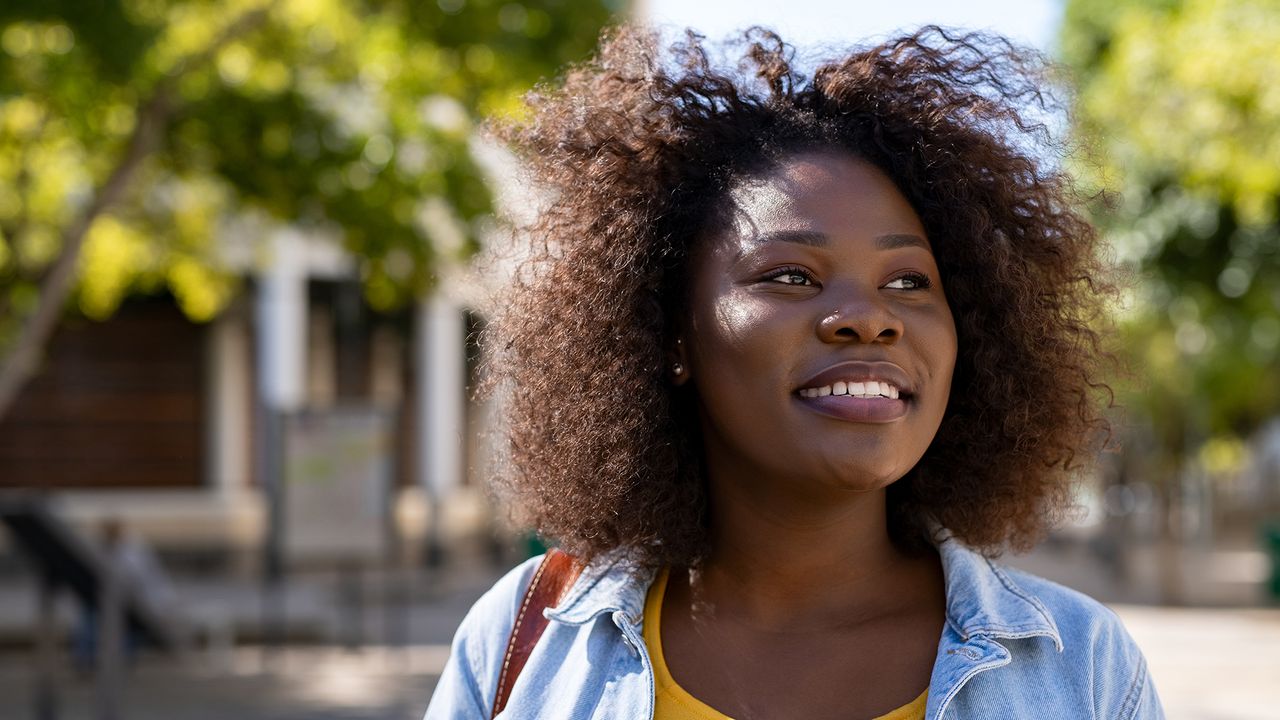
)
(796, 358)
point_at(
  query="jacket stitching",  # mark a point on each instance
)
(1022, 630)
(964, 680)
(1133, 697)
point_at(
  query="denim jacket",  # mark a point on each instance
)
(1013, 646)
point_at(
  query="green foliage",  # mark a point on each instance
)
(349, 116)
(1180, 99)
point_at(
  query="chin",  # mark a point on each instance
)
(864, 479)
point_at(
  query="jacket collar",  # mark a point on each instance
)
(612, 583)
(983, 601)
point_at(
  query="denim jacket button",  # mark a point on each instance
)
(620, 619)
(631, 646)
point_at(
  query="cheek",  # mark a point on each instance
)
(951, 349)
(733, 335)
(941, 354)
(735, 321)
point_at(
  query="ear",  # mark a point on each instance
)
(678, 363)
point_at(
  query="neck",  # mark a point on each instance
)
(778, 557)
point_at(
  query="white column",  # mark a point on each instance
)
(440, 368)
(228, 413)
(282, 324)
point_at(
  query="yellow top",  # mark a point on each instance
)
(673, 702)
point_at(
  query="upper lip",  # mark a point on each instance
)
(861, 371)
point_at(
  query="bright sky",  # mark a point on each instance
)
(813, 22)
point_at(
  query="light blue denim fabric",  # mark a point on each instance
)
(1013, 646)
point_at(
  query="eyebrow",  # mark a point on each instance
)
(891, 241)
(900, 240)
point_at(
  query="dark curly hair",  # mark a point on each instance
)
(636, 151)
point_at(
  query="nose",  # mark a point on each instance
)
(860, 317)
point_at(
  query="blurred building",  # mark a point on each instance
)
(162, 423)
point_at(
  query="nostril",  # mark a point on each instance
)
(845, 332)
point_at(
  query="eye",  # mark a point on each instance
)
(910, 281)
(790, 275)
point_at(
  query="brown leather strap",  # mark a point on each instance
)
(555, 575)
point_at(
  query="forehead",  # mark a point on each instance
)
(831, 193)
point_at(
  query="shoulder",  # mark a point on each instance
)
(469, 680)
(1080, 620)
(1095, 646)
(487, 625)
(1058, 599)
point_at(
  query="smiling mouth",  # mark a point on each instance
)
(869, 401)
(863, 389)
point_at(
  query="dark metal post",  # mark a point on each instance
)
(273, 486)
(396, 593)
(352, 583)
(111, 629)
(46, 647)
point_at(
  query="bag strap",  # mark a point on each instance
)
(554, 576)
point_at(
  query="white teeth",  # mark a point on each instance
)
(869, 388)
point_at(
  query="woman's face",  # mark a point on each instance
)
(818, 337)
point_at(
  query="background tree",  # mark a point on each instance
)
(139, 139)
(1180, 99)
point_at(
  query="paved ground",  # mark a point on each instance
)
(1208, 664)
(1211, 664)
(302, 684)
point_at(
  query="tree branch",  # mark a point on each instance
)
(20, 363)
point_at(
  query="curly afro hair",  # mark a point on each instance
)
(637, 150)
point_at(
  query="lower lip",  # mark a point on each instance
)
(855, 409)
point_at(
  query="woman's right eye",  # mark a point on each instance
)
(790, 276)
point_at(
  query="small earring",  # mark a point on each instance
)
(677, 369)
